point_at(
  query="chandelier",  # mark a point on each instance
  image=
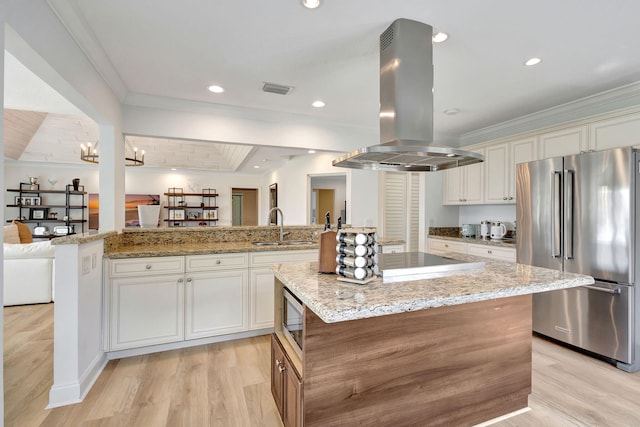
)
(90, 154)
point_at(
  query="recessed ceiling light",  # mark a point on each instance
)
(439, 37)
(318, 104)
(533, 61)
(451, 111)
(216, 89)
(256, 167)
(174, 169)
(311, 151)
(310, 4)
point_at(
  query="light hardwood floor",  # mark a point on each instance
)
(227, 384)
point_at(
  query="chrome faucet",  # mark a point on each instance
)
(277, 209)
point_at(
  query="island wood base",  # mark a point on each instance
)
(458, 365)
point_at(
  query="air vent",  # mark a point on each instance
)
(386, 38)
(276, 88)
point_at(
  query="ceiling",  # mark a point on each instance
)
(175, 50)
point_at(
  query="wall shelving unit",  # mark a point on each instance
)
(184, 209)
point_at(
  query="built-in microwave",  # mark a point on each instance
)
(292, 320)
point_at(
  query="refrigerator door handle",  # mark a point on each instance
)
(615, 291)
(556, 215)
(569, 178)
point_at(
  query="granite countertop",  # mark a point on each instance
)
(336, 301)
(197, 248)
(507, 243)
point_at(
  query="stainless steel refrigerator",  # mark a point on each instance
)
(581, 214)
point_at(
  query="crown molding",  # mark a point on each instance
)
(73, 20)
(601, 103)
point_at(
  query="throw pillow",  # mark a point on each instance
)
(11, 234)
(24, 232)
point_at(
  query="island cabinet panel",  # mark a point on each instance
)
(405, 369)
(286, 385)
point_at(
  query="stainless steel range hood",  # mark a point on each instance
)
(406, 108)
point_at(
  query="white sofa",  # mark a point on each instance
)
(28, 272)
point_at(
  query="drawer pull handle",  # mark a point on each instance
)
(189, 279)
(446, 246)
(282, 368)
(278, 362)
(180, 280)
(489, 252)
(148, 266)
(218, 262)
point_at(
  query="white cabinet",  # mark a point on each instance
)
(563, 142)
(391, 249)
(261, 291)
(438, 246)
(146, 310)
(162, 300)
(495, 252)
(500, 169)
(216, 303)
(464, 185)
(615, 132)
(442, 247)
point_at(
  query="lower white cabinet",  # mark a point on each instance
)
(261, 306)
(391, 249)
(216, 303)
(146, 310)
(161, 300)
(441, 246)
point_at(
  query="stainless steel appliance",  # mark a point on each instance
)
(485, 227)
(406, 108)
(581, 214)
(292, 320)
(498, 230)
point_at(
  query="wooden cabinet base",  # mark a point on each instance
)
(458, 365)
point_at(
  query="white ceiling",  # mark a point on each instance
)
(176, 50)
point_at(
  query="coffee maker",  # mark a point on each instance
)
(485, 229)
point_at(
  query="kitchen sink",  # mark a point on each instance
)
(285, 243)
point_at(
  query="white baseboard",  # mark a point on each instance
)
(75, 392)
(503, 417)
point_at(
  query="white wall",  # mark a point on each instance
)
(437, 214)
(475, 214)
(293, 190)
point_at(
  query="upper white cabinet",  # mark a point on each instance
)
(500, 169)
(563, 142)
(464, 185)
(616, 132)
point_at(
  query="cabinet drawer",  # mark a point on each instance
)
(391, 249)
(260, 259)
(436, 246)
(504, 254)
(216, 262)
(146, 266)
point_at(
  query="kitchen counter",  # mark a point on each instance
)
(445, 351)
(336, 301)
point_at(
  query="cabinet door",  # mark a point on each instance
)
(146, 311)
(439, 246)
(391, 249)
(216, 303)
(563, 142)
(614, 133)
(452, 194)
(261, 298)
(522, 151)
(494, 252)
(292, 416)
(497, 172)
(473, 183)
(277, 379)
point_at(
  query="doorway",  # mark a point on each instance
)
(328, 193)
(244, 206)
(324, 202)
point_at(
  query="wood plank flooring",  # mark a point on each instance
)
(227, 384)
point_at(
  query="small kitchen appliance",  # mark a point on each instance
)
(485, 229)
(469, 230)
(498, 230)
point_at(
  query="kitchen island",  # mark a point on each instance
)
(448, 351)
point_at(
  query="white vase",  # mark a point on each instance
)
(148, 215)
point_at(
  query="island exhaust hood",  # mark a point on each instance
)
(406, 108)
